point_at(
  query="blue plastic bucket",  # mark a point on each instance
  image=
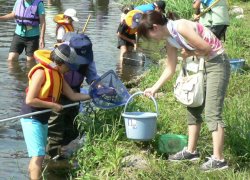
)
(237, 64)
(140, 125)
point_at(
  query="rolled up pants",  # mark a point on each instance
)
(217, 74)
(61, 128)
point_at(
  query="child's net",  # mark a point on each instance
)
(108, 91)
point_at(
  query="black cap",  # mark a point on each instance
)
(161, 5)
(126, 8)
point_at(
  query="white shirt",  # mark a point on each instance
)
(60, 33)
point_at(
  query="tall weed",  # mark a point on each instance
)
(238, 40)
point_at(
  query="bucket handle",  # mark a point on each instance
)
(137, 93)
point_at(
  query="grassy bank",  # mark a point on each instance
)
(106, 151)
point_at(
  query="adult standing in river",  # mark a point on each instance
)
(30, 28)
(62, 129)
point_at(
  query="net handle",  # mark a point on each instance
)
(139, 93)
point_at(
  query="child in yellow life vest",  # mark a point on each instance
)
(46, 84)
(126, 33)
(65, 23)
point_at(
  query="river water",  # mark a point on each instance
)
(105, 16)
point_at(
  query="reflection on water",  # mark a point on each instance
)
(101, 12)
(105, 16)
(54, 2)
(13, 156)
(13, 82)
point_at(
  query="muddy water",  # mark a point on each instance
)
(13, 75)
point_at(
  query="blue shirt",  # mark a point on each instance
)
(91, 73)
(29, 31)
(145, 7)
(207, 2)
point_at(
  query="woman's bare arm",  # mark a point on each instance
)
(168, 72)
(186, 29)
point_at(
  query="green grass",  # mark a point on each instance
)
(183, 8)
(237, 37)
(106, 146)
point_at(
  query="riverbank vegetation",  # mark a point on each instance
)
(108, 154)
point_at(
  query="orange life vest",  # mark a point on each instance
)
(60, 21)
(131, 31)
(52, 86)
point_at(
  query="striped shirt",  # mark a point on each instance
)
(178, 41)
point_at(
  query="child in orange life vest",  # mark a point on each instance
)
(65, 23)
(46, 83)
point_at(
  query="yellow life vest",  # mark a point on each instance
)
(129, 20)
(52, 86)
(59, 19)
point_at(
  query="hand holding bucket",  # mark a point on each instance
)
(140, 125)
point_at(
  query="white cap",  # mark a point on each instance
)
(71, 13)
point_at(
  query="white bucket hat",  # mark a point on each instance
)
(71, 13)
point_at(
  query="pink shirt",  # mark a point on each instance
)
(211, 39)
(178, 41)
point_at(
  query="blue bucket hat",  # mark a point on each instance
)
(136, 20)
(133, 18)
(83, 48)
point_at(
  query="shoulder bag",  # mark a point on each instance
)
(189, 89)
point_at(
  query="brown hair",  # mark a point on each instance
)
(147, 21)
